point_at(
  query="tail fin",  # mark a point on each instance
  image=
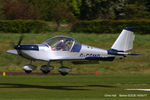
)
(125, 40)
(123, 43)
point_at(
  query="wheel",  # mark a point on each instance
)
(28, 68)
(46, 72)
(63, 73)
(46, 69)
(64, 69)
(28, 71)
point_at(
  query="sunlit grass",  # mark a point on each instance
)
(77, 87)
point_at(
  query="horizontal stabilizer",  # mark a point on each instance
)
(116, 52)
(134, 54)
(125, 53)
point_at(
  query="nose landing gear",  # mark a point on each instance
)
(29, 68)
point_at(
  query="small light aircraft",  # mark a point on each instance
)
(62, 48)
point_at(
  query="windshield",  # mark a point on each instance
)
(61, 43)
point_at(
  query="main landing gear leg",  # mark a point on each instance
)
(64, 70)
(46, 68)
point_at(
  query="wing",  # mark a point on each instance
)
(12, 52)
(77, 60)
(85, 62)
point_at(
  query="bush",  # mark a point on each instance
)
(23, 26)
(112, 26)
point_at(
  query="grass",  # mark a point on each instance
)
(80, 87)
(113, 77)
(131, 64)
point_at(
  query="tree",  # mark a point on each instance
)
(19, 10)
(147, 3)
(105, 9)
(136, 9)
(1, 13)
(61, 12)
(75, 6)
(44, 7)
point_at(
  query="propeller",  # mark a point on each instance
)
(17, 47)
(20, 40)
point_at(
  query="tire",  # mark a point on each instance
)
(63, 73)
(28, 71)
(45, 72)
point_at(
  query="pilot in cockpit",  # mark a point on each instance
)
(61, 46)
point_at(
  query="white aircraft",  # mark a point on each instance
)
(62, 48)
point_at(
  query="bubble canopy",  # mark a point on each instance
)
(63, 43)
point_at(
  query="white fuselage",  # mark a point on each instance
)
(47, 54)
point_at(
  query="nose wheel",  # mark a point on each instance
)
(28, 71)
(29, 68)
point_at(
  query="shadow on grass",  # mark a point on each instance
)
(106, 86)
(13, 85)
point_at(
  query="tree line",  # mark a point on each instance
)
(71, 10)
